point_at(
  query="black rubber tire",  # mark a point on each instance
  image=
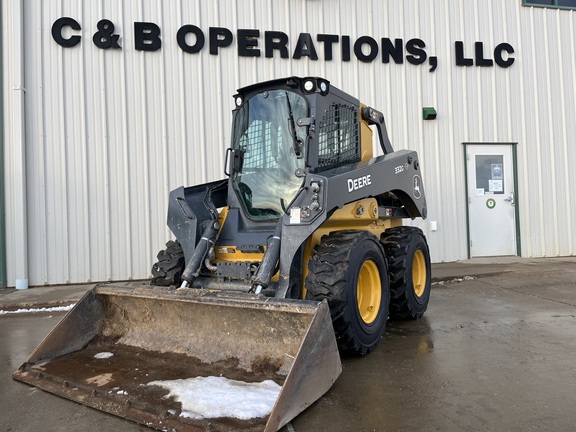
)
(408, 298)
(333, 274)
(170, 265)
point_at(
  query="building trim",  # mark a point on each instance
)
(3, 276)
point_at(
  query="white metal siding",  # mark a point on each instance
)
(110, 132)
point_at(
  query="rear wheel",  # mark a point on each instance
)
(410, 271)
(348, 268)
(170, 265)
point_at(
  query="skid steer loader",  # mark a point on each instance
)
(299, 254)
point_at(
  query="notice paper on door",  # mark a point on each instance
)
(495, 186)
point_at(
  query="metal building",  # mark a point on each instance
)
(108, 105)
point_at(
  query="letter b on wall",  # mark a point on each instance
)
(147, 36)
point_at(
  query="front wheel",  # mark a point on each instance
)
(410, 271)
(348, 268)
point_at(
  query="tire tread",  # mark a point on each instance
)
(327, 280)
(168, 269)
(397, 242)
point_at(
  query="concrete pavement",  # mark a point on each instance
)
(494, 352)
(63, 295)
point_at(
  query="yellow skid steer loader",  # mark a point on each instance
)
(298, 255)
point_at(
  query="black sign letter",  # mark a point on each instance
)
(305, 47)
(346, 48)
(372, 54)
(417, 54)
(181, 39)
(275, 40)
(396, 51)
(328, 40)
(480, 60)
(498, 55)
(460, 59)
(105, 38)
(219, 37)
(248, 43)
(57, 27)
(146, 36)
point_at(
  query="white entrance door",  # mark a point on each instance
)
(491, 199)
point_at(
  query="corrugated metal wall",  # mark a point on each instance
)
(108, 133)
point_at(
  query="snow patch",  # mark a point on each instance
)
(38, 310)
(465, 278)
(212, 397)
(103, 355)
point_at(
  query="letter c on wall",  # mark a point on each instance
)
(57, 27)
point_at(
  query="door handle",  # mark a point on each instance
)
(510, 199)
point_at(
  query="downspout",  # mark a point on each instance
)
(15, 145)
(3, 276)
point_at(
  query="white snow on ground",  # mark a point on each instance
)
(465, 278)
(103, 355)
(37, 310)
(211, 397)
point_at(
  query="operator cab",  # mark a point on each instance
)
(269, 151)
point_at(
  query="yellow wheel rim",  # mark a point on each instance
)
(419, 275)
(369, 291)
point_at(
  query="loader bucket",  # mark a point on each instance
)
(117, 349)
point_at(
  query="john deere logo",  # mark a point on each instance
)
(417, 182)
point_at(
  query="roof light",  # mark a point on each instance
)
(309, 85)
(324, 86)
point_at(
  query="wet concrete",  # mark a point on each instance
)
(28, 409)
(495, 353)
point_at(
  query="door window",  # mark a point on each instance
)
(489, 174)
